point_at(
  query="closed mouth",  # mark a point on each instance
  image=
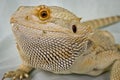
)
(43, 28)
(19, 27)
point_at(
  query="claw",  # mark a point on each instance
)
(15, 75)
(3, 78)
(14, 78)
(26, 75)
(21, 77)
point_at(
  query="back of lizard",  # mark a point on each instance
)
(102, 22)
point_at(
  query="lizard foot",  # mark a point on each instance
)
(18, 74)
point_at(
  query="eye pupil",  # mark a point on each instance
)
(74, 28)
(44, 14)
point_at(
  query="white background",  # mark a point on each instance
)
(87, 9)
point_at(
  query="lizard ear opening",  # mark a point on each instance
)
(74, 28)
(80, 19)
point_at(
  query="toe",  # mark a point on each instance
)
(20, 75)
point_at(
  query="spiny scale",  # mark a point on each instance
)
(51, 53)
(98, 23)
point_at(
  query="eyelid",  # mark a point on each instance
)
(40, 9)
(47, 11)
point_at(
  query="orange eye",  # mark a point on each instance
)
(44, 14)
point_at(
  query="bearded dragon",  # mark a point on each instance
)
(53, 39)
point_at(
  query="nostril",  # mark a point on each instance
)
(12, 20)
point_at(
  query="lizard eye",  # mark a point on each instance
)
(44, 14)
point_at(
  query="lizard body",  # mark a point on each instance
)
(53, 39)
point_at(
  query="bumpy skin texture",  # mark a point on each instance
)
(53, 39)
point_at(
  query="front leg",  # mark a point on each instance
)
(21, 73)
(115, 72)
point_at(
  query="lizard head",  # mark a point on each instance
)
(47, 19)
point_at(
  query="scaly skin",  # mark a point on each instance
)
(53, 39)
(103, 22)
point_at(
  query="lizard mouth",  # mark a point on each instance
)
(23, 29)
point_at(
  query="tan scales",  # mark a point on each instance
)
(53, 39)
